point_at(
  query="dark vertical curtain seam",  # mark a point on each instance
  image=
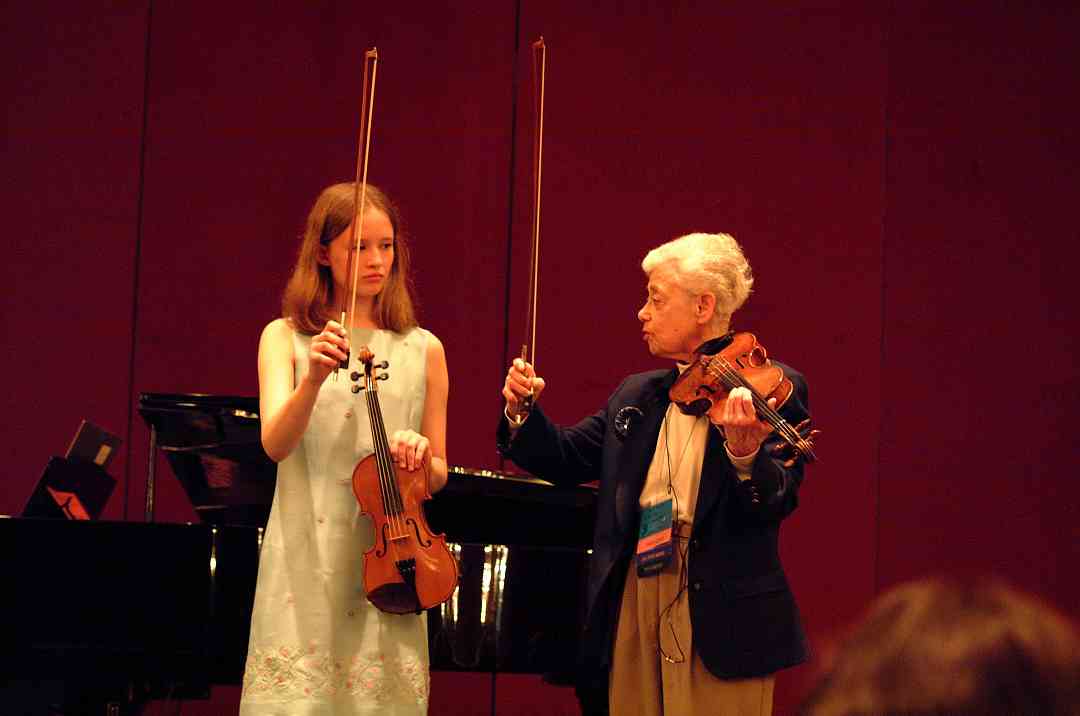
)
(510, 203)
(138, 256)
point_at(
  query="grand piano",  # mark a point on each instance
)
(121, 612)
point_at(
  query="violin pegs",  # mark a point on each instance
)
(384, 376)
(788, 453)
(384, 365)
(357, 388)
(355, 375)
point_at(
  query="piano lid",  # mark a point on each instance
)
(213, 446)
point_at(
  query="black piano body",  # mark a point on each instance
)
(110, 611)
(168, 605)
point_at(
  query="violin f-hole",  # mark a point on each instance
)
(416, 528)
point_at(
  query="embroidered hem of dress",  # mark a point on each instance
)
(288, 673)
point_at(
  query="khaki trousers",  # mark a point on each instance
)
(654, 621)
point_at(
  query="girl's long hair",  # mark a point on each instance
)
(309, 300)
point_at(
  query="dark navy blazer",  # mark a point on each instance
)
(743, 616)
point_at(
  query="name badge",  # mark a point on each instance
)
(654, 539)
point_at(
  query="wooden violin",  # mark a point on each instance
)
(408, 569)
(743, 362)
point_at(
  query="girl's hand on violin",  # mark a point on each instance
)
(409, 449)
(328, 349)
(521, 379)
(743, 431)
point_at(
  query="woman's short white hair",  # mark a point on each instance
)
(707, 263)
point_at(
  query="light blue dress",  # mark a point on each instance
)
(317, 646)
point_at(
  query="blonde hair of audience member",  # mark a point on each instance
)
(309, 300)
(707, 263)
(937, 647)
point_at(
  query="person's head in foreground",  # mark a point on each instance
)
(937, 647)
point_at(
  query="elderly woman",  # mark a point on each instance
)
(688, 609)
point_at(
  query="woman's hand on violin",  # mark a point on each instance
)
(743, 431)
(409, 449)
(521, 380)
(328, 349)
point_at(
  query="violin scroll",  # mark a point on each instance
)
(804, 448)
(367, 358)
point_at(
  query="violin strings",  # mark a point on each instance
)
(380, 459)
(733, 379)
(392, 505)
(395, 488)
(783, 427)
(392, 478)
(761, 404)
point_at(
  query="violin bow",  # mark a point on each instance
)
(363, 153)
(528, 349)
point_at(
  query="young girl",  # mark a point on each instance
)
(317, 645)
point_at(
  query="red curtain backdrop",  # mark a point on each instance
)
(900, 175)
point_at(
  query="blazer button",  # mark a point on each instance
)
(696, 586)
